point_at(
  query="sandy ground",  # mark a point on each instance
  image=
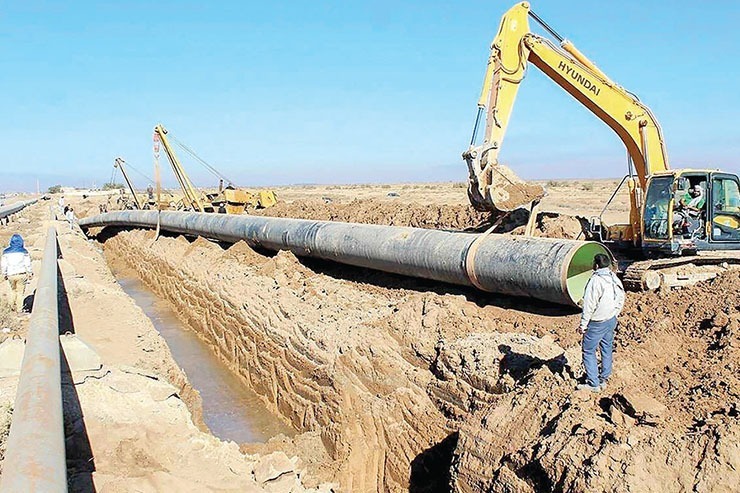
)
(571, 197)
(417, 386)
(130, 421)
(399, 384)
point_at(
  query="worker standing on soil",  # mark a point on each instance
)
(70, 215)
(602, 302)
(16, 268)
(60, 210)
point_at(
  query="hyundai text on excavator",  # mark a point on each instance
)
(228, 199)
(664, 231)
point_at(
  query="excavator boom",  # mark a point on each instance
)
(513, 48)
(676, 216)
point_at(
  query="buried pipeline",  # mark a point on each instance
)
(553, 270)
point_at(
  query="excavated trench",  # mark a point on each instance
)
(413, 386)
(231, 411)
(325, 353)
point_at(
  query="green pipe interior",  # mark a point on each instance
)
(580, 269)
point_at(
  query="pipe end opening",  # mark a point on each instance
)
(580, 269)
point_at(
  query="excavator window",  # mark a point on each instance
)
(660, 192)
(725, 209)
(690, 206)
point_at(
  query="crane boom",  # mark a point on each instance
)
(192, 196)
(119, 163)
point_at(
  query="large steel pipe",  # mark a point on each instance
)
(547, 269)
(8, 210)
(35, 456)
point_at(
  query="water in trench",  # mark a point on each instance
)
(230, 409)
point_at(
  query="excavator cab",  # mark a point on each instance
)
(686, 211)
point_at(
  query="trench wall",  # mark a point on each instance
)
(315, 349)
(423, 388)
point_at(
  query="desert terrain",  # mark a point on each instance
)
(393, 383)
(571, 197)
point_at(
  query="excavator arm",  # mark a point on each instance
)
(513, 48)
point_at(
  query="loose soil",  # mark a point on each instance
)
(374, 211)
(134, 424)
(412, 385)
(400, 384)
(429, 216)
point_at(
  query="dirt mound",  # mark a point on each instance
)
(431, 216)
(285, 269)
(668, 421)
(550, 225)
(688, 343)
(243, 253)
(201, 247)
(553, 225)
(412, 385)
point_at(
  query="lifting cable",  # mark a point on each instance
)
(113, 175)
(148, 180)
(141, 174)
(202, 161)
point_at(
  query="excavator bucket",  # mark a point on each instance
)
(505, 191)
(509, 192)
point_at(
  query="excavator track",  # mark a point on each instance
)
(649, 275)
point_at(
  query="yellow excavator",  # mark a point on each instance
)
(228, 199)
(677, 217)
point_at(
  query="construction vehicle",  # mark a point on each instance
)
(227, 199)
(134, 203)
(660, 235)
(168, 200)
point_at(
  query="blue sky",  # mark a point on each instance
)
(337, 92)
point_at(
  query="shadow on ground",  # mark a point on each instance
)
(430, 470)
(80, 460)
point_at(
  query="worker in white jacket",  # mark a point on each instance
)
(16, 268)
(602, 302)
